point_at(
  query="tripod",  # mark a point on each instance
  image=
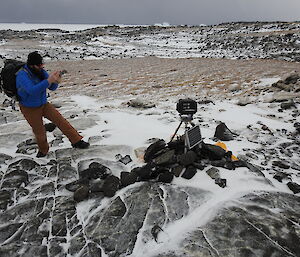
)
(187, 119)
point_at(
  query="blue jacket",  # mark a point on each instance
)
(31, 89)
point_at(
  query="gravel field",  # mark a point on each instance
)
(153, 77)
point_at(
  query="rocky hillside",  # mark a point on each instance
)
(276, 40)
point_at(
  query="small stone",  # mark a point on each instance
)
(281, 164)
(287, 105)
(138, 103)
(294, 187)
(214, 173)
(125, 159)
(221, 182)
(252, 156)
(281, 175)
(50, 127)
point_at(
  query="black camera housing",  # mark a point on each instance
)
(186, 106)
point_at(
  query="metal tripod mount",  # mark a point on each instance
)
(187, 119)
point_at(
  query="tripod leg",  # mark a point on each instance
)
(176, 131)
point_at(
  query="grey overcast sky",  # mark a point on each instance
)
(189, 12)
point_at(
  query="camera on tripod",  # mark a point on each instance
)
(187, 108)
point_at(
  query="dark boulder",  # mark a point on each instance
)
(165, 177)
(223, 132)
(128, 178)
(189, 172)
(111, 186)
(81, 193)
(153, 149)
(165, 158)
(100, 171)
(187, 158)
(144, 172)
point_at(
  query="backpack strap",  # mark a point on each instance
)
(24, 69)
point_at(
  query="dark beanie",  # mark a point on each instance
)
(34, 58)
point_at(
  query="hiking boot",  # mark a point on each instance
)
(81, 145)
(40, 154)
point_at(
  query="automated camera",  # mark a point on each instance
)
(186, 106)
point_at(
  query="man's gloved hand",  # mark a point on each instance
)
(54, 77)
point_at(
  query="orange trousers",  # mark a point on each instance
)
(34, 116)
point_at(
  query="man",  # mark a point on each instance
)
(32, 82)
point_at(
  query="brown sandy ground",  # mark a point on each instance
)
(153, 77)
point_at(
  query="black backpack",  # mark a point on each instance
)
(8, 77)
